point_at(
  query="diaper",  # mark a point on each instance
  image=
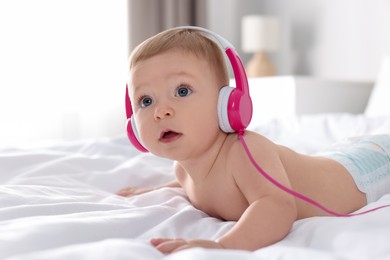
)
(367, 159)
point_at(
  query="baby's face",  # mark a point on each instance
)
(174, 98)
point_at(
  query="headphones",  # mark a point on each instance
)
(234, 104)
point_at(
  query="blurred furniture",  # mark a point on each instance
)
(260, 34)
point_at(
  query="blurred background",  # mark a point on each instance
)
(63, 62)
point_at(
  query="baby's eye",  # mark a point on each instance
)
(183, 91)
(145, 101)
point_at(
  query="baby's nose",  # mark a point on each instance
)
(162, 112)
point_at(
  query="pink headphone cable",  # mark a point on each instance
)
(294, 193)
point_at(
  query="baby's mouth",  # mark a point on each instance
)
(169, 136)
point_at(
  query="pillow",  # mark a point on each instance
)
(379, 101)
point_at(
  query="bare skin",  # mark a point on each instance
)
(212, 166)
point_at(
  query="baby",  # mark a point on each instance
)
(174, 85)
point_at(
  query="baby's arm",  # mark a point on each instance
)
(131, 191)
(271, 212)
(266, 221)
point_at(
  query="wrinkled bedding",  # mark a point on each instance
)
(59, 202)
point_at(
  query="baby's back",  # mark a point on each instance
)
(323, 180)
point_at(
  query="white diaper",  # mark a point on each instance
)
(367, 158)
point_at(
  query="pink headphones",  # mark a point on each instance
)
(234, 104)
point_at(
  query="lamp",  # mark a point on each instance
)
(260, 34)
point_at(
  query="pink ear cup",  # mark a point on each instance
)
(131, 129)
(239, 110)
(132, 134)
(234, 110)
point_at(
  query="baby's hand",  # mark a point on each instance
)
(130, 191)
(170, 245)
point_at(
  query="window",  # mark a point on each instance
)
(62, 69)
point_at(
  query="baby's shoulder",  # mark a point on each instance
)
(254, 142)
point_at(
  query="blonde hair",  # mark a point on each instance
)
(187, 40)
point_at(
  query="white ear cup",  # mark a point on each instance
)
(135, 130)
(223, 113)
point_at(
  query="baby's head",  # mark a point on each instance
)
(174, 85)
(179, 94)
(189, 41)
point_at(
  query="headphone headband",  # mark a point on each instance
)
(223, 43)
(235, 60)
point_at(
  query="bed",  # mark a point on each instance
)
(58, 201)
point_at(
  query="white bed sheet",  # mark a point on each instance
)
(58, 202)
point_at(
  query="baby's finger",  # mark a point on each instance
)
(167, 245)
(157, 241)
(125, 192)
